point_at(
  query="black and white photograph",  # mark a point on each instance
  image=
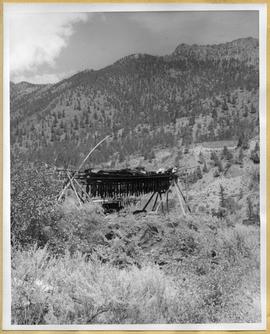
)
(134, 166)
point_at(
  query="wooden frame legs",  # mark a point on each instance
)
(185, 209)
(145, 206)
(160, 201)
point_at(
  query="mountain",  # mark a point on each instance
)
(196, 94)
(244, 49)
(23, 88)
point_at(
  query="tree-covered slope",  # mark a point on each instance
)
(195, 94)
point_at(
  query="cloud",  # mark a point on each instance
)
(38, 38)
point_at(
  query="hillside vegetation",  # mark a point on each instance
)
(196, 94)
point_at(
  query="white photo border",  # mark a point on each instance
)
(140, 7)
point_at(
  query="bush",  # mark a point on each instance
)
(33, 197)
(76, 229)
(72, 290)
(253, 176)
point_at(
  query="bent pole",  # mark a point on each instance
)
(81, 165)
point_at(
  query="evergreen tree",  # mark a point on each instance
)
(254, 155)
(222, 202)
(243, 141)
(240, 156)
(226, 154)
(199, 172)
(250, 212)
(201, 158)
(76, 122)
(205, 169)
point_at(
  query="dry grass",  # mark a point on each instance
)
(191, 286)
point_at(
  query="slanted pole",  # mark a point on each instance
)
(145, 206)
(149, 200)
(80, 196)
(73, 187)
(160, 203)
(87, 195)
(155, 203)
(167, 199)
(81, 165)
(180, 198)
(177, 185)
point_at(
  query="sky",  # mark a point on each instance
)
(47, 47)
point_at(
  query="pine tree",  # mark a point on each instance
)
(222, 211)
(254, 155)
(241, 194)
(224, 105)
(205, 169)
(221, 196)
(199, 173)
(250, 212)
(226, 154)
(213, 156)
(201, 158)
(79, 104)
(240, 156)
(252, 109)
(76, 123)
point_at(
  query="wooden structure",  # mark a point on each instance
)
(112, 187)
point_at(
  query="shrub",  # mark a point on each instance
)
(77, 230)
(254, 178)
(73, 290)
(33, 195)
(226, 154)
(205, 169)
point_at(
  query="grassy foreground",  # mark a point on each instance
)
(159, 270)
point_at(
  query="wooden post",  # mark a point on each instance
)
(87, 195)
(149, 200)
(155, 202)
(167, 199)
(145, 206)
(180, 198)
(160, 203)
(177, 185)
(74, 189)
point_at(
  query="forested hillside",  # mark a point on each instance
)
(195, 94)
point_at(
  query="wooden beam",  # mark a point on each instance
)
(153, 208)
(180, 198)
(167, 199)
(74, 189)
(148, 201)
(145, 206)
(79, 195)
(83, 189)
(160, 203)
(178, 187)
